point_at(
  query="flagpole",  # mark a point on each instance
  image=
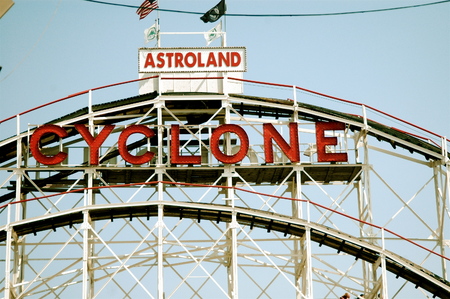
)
(158, 45)
(224, 44)
(224, 28)
(158, 36)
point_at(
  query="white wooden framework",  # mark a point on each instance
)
(376, 225)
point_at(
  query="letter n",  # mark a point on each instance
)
(291, 151)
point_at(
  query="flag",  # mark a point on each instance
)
(150, 33)
(146, 7)
(214, 33)
(215, 13)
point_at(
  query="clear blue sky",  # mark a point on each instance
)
(397, 61)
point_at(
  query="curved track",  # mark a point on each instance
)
(248, 217)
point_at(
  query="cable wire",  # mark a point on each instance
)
(279, 15)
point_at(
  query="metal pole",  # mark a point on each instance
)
(87, 283)
(19, 172)
(384, 287)
(232, 236)
(300, 250)
(365, 204)
(88, 279)
(309, 284)
(442, 193)
(8, 289)
(160, 207)
(232, 271)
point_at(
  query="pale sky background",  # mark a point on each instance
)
(397, 61)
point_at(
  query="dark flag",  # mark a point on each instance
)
(215, 13)
(146, 7)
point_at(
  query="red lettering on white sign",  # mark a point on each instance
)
(192, 60)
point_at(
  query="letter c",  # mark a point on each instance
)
(36, 138)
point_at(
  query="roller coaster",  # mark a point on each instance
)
(138, 223)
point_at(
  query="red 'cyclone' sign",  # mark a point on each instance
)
(160, 60)
(270, 134)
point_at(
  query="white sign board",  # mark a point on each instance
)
(182, 60)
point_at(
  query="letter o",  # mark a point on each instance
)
(186, 59)
(123, 150)
(36, 138)
(229, 128)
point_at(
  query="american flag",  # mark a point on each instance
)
(146, 7)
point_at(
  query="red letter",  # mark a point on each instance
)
(211, 60)
(235, 58)
(149, 61)
(175, 157)
(179, 60)
(322, 142)
(94, 143)
(160, 58)
(186, 59)
(199, 59)
(292, 151)
(36, 138)
(136, 160)
(169, 57)
(240, 155)
(224, 60)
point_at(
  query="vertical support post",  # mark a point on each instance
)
(384, 287)
(160, 249)
(225, 83)
(87, 226)
(364, 117)
(159, 84)
(309, 291)
(224, 44)
(8, 287)
(308, 257)
(231, 236)
(365, 203)
(294, 91)
(363, 212)
(18, 262)
(88, 282)
(442, 194)
(19, 142)
(90, 101)
(20, 213)
(19, 207)
(160, 224)
(19, 172)
(445, 200)
(91, 119)
(299, 254)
